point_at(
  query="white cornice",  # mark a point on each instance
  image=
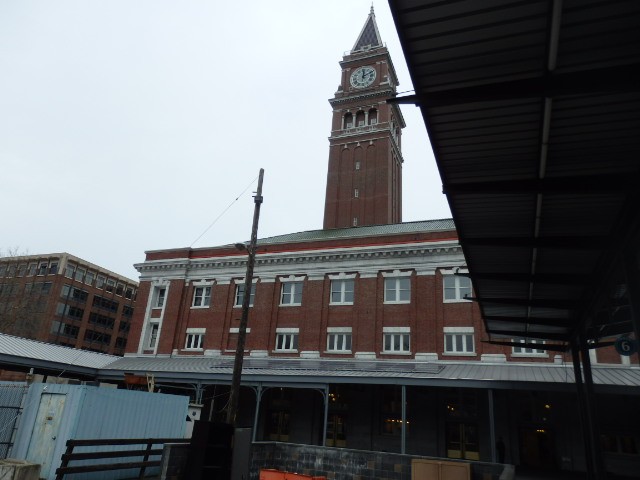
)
(423, 257)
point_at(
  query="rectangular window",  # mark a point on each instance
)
(31, 271)
(22, 269)
(342, 292)
(119, 289)
(42, 269)
(111, 285)
(397, 290)
(105, 303)
(201, 297)
(80, 274)
(100, 281)
(287, 341)
(160, 297)
(69, 311)
(458, 340)
(291, 293)
(101, 320)
(128, 293)
(74, 293)
(356, 193)
(194, 339)
(59, 328)
(240, 295)
(456, 288)
(53, 268)
(528, 351)
(152, 336)
(89, 277)
(396, 342)
(339, 342)
(92, 336)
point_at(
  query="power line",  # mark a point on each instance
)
(224, 211)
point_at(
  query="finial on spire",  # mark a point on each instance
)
(371, 9)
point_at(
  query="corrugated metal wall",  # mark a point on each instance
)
(11, 397)
(98, 412)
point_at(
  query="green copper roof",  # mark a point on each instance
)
(368, 231)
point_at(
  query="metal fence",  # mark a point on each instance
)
(11, 397)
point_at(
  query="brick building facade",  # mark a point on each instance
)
(62, 299)
(370, 312)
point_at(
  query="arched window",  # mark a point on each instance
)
(373, 116)
(360, 119)
(348, 120)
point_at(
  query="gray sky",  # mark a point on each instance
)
(128, 126)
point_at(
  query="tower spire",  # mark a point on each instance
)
(369, 35)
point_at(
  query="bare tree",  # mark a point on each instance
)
(21, 297)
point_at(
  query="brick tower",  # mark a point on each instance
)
(364, 179)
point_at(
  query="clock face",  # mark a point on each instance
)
(363, 77)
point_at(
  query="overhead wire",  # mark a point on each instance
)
(224, 211)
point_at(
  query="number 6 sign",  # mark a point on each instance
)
(626, 346)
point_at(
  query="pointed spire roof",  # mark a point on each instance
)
(369, 36)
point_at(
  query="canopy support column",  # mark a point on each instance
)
(590, 404)
(577, 373)
(259, 393)
(492, 426)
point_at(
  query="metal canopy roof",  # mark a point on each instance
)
(57, 360)
(533, 112)
(313, 372)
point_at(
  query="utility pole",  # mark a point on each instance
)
(232, 408)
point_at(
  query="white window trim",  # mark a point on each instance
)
(291, 279)
(286, 331)
(203, 286)
(395, 331)
(395, 275)
(342, 276)
(449, 273)
(339, 331)
(459, 331)
(342, 290)
(545, 354)
(156, 295)
(237, 330)
(195, 332)
(147, 336)
(241, 283)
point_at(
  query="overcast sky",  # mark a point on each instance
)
(128, 126)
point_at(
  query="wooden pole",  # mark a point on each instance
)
(232, 407)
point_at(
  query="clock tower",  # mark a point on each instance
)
(364, 179)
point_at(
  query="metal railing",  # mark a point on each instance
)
(146, 453)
